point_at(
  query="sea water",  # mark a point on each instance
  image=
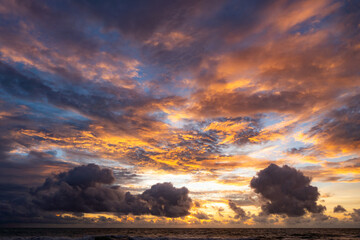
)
(175, 233)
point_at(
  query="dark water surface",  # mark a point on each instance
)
(175, 233)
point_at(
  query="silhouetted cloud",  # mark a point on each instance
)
(86, 189)
(339, 209)
(240, 213)
(286, 191)
(355, 215)
(166, 200)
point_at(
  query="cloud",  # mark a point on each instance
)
(307, 221)
(35, 89)
(19, 173)
(87, 189)
(340, 129)
(22, 167)
(138, 19)
(344, 171)
(206, 89)
(339, 209)
(355, 215)
(237, 103)
(166, 200)
(123, 111)
(201, 215)
(234, 130)
(286, 191)
(240, 213)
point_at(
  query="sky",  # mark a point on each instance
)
(180, 113)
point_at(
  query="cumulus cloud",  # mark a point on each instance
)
(166, 200)
(339, 209)
(286, 191)
(87, 189)
(81, 189)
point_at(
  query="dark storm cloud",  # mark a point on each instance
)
(166, 200)
(339, 209)
(17, 175)
(240, 213)
(87, 189)
(79, 190)
(286, 191)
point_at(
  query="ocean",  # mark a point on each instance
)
(176, 233)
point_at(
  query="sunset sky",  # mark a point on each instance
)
(180, 113)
